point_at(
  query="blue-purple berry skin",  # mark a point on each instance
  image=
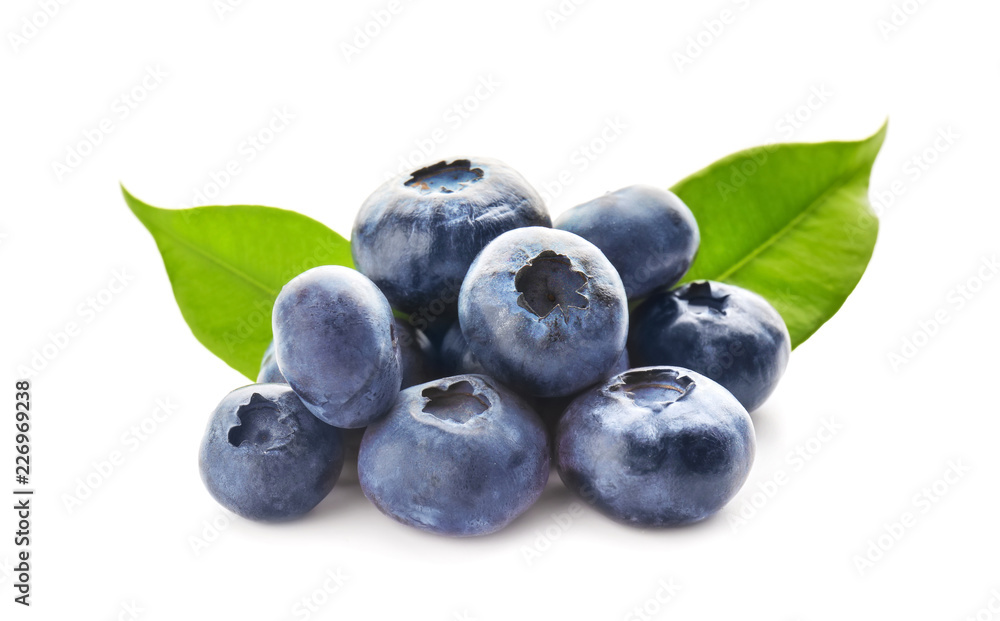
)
(725, 332)
(336, 345)
(544, 312)
(417, 234)
(656, 446)
(648, 234)
(265, 457)
(460, 456)
(269, 371)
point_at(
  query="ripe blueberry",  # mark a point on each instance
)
(656, 446)
(458, 456)
(416, 358)
(551, 409)
(648, 234)
(335, 340)
(455, 357)
(266, 457)
(544, 311)
(730, 334)
(269, 372)
(416, 355)
(417, 234)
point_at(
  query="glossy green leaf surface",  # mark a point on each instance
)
(227, 264)
(791, 222)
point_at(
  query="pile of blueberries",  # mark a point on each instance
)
(519, 349)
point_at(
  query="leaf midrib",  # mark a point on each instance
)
(838, 184)
(180, 241)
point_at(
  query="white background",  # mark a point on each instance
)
(556, 86)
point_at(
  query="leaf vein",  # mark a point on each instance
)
(216, 260)
(838, 185)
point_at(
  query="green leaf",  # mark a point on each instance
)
(791, 222)
(227, 265)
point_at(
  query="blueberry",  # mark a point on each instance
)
(656, 446)
(459, 456)
(416, 355)
(544, 311)
(335, 339)
(648, 234)
(455, 357)
(417, 234)
(269, 372)
(727, 333)
(551, 408)
(416, 358)
(266, 457)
